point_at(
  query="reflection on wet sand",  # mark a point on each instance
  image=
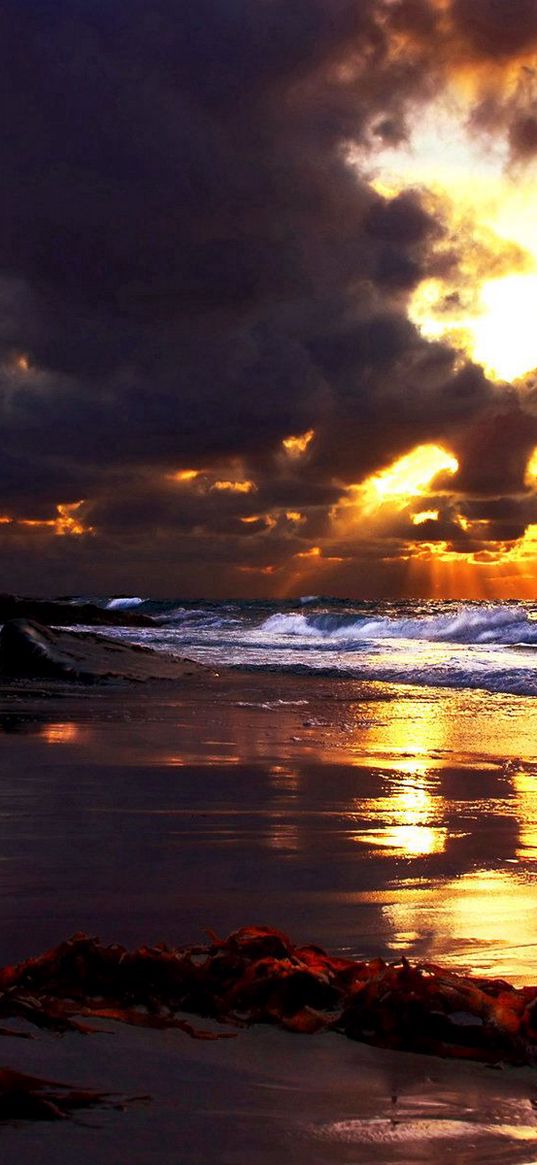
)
(408, 818)
(404, 818)
(525, 788)
(483, 920)
(64, 733)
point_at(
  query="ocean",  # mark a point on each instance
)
(489, 646)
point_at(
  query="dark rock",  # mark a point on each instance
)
(64, 614)
(30, 650)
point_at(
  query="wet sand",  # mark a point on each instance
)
(367, 818)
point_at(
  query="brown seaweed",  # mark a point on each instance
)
(257, 975)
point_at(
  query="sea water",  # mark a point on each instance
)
(492, 646)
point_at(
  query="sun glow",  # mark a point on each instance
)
(407, 478)
(505, 335)
(485, 304)
(501, 335)
(498, 569)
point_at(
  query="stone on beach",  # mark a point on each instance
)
(30, 650)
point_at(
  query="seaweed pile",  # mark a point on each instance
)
(257, 975)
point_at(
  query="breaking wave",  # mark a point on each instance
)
(124, 603)
(491, 646)
(468, 624)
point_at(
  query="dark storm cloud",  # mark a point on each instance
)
(495, 29)
(494, 453)
(190, 270)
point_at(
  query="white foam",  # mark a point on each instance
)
(468, 624)
(124, 603)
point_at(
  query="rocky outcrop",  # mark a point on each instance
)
(63, 614)
(30, 650)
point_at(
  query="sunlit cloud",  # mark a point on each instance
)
(313, 552)
(270, 568)
(238, 487)
(408, 477)
(425, 516)
(502, 333)
(531, 471)
(184, 475)
(484, 305)
(501, 569)
(268, 520)
(297, 445)
(68, 521)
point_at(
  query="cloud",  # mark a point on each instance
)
(494, 30)
(194, 272)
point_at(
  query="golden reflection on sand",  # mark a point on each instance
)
(405, 819)
(481, 919)
(286, 780)
(284, 837)
(415, 729)
(405, 730)
(405, 840)
(180, 760)
(68, 733)
(525, 788)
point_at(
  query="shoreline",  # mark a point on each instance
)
(373, 819)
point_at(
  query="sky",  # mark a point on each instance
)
(268, 298)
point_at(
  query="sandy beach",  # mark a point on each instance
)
(372, 819)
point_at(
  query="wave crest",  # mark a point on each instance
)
(123, 603)
(468, 624)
